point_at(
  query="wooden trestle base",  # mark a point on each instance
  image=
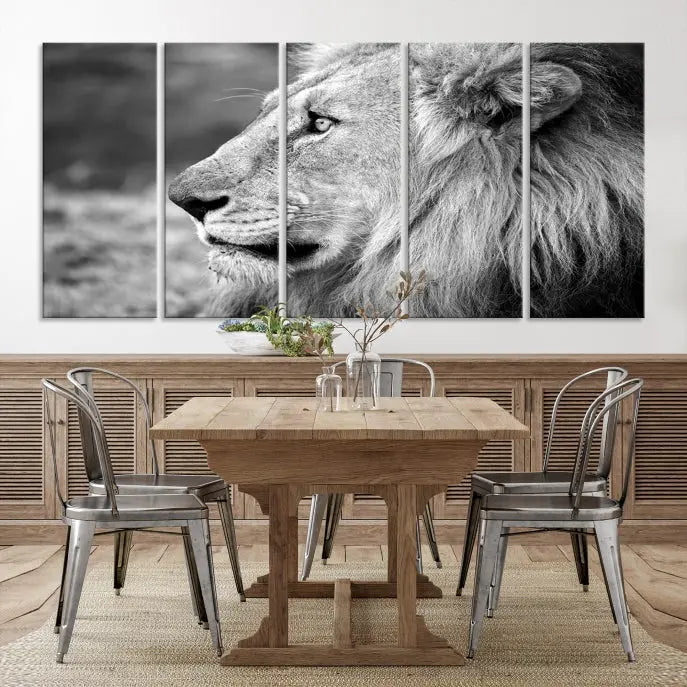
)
(417, 646)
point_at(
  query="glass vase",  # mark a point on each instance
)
(363, 376)
(328, 390)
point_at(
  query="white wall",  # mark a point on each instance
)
(661, 24)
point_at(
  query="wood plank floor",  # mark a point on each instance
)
(655, 577)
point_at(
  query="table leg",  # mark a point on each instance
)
(406, 549)
(278, 555)
(391, 499)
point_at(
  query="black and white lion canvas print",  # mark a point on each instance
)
(99, 190)
(222, 145)
(465, 178)
(587, 180)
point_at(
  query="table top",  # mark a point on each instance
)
(294, 418)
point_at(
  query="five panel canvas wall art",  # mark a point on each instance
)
(340, 203)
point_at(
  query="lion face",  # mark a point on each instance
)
(342, 129)
(233, 197)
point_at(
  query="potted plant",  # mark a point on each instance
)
(269, 332)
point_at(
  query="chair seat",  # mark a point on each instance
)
(548, 507)
(146, 483)
(532, 482)
(137, 507)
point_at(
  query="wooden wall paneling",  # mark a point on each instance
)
(510, 394)
(168, 393)
(570, 414)
(26, 473)
(658, 488)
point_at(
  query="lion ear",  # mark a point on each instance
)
(554, 89)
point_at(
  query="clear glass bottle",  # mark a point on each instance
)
(328, 387)
(363, 377)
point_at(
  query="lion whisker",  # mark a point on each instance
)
(245, 95)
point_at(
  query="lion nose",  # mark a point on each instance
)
(195, 206)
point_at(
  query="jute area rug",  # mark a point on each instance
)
(546, 632)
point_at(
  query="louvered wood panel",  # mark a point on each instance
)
(661, 447)
(186, 457)
(118, 409)
(569, 418)
(21, 445)
(496, 456)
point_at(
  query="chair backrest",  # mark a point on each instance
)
(391, 375)
(96, 434)
(614, 375)
(84, 390)
(606, 403)
(82, 380)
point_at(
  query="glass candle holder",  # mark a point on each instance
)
(328, 388)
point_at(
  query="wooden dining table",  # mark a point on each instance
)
(281, 449)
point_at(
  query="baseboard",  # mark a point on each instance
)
(351, 532)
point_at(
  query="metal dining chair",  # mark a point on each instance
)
(328, 506)
(546, 481)
(208, 488)
(575, 511)
(122, 513)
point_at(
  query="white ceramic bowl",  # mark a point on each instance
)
(249, 343)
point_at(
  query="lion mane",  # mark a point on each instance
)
(586, 180)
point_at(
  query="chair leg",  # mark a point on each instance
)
(199, 531)
(471, 527)
(194, 585)
(334, 504)
(428, 521)
(489, 537)
(230, 537)
(60, 603)
(318, 504)
(608, 592)
(80, 541)
(418, 548)
(495, 589)
(580, 551)
(122, 548)
(607, 542)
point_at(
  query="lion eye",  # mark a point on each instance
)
(322, 124)
(319, 124)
